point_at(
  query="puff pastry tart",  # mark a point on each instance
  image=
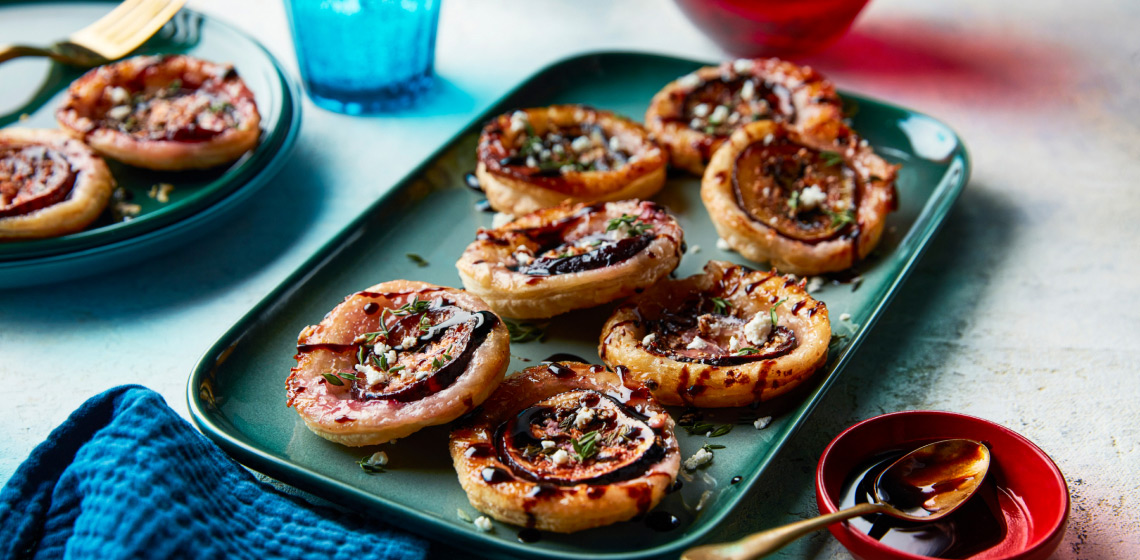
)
(163, 112)
(565, 447)
(694, 114)
(728, 337)
(537, 158)
(804, 204)
(50, 184)
(571, 257)
(395, 358)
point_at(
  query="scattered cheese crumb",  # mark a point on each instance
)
(119, 113)
(700, 458)
(372, 375)
(531, 162)
(580, 144)
(747, 90)
(701, 110)
(615, 144)
(814, 284)
(523, 258)
(742, 65)
(421, 375)
(697, 343)
(693, 249)
(547, 444)
(756, 330)
(560, 457)
(408, 342)
(695, 123)
(718, 115)
(483, 523)
(768, 139)
(558, 149)
(762, 423)
(689, 81)
(845, 317)
(649, 338)
(378, 459)
(118, 95)
(722, 244)
(161, 192)
(733, 343)
(381, 348)
(811, 197)
(127, 209)
(501, 220)
(391, 357)
(584, 417)
(519, 120)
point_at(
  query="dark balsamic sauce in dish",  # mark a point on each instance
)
(988, 519)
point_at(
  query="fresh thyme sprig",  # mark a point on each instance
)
(526, 332)
(773, 310)
(831, 159)
(337, 377)
(747, 350)
(719, 305)
(586, 445)
(840, 219)
(630, 222)
(415, 258)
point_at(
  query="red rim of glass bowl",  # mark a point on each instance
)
(880, 433)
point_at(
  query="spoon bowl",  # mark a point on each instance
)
(924, 485)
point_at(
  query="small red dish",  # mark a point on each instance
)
(1036, 489)
(772, 27)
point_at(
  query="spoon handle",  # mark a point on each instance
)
(764, 543)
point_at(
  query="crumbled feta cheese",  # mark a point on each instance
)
(695, 123)
(649, 338)
(558, 149)
(742, 65)
(118, 95)
(560, 457)
(119, 113)
(722, 244)
(380, 348)
(700, 458)
(734, 118)
(584, 417)
(408, 342)
(523, 258)
(372, 375)
(378, 459)
(544, 155)
(767, 191)
(693, 249)
(501, 220)
(483, 523)
(814, 284)
(812, 197)
(768, 139)
(391, 357)
(615, 144)
(748, 90)
(547, 444)
(531, 162)
(421, 375)
(757, 330)
(762, 423)
(718, 115)
(773, 220)
(689, 81)
(519, 121)
(566, 169)
(701, 110)
(863, 143)
(840, 205)
(580, 144)
(733, 343)
(845, 317)
(697, 343)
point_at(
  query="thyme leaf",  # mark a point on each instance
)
(585, 446)
(773, 310)
(831, 159)
(420, 261)
(719, 305)
(526, 332)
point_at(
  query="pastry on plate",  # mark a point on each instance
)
(163, 112)
(694, 114)
(50, 184)
(564, 447)
(538, 158)
(730, 336)
(395, 358)
(806, 204)
(572, 256)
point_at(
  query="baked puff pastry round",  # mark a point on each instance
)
(805, 204)
(564, 447)
(571, 257)
(728, 337)
(163, 112)
(395, 358)
(694, 114)
(538, 158)
(50, 184)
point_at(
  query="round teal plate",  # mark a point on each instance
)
(30, 92)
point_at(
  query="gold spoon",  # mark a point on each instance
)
(924, 485)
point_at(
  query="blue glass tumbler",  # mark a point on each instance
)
(365, 56)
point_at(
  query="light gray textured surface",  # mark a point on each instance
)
(1023, 311)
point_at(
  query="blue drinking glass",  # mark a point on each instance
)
(364, 56)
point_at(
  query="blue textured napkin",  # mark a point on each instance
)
(126, 477)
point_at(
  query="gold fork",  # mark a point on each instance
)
(112, 37)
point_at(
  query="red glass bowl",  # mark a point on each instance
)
(1019, 465)
(772, 27)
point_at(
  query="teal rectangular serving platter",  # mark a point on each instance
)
(237, 391)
